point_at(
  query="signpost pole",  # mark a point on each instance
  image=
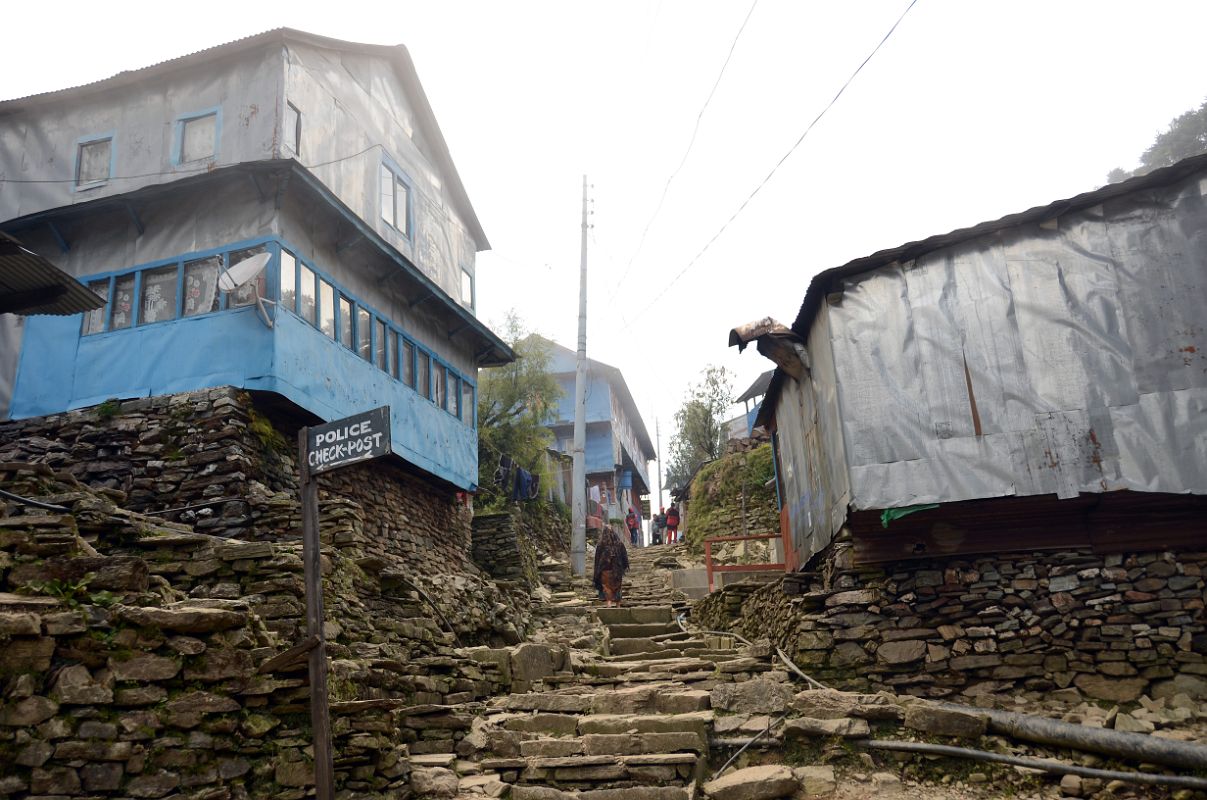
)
(320, 721)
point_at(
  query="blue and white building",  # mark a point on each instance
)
(618, 447)
(324, 155)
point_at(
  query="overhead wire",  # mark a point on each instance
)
(774, 169)
(691, 142)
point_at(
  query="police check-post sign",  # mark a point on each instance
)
(348, 441)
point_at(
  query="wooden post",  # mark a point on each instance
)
(320, 721)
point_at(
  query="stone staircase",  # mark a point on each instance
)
(629, 718)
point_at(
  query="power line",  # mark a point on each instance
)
(189, 171)
(775, 169)
(691, 142)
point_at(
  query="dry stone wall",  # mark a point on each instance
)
(1111, 627)
(224, 468)
(510, 545)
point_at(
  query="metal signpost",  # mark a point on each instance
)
(321, 449)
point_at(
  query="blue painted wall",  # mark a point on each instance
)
(60, 370)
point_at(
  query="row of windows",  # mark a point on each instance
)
(372, 337)
(189, 287)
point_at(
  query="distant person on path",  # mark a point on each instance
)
(634, 526)
(672, 525)
(658, 528)
(611, 561)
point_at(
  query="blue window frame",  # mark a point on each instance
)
(197, 136)
(395, 195)
(95, 160)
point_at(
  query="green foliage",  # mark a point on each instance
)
(1187, 136)
(109, 409)
(700, 423)
(270, 438)
(722, 488)
(515, 402)
(70, 592)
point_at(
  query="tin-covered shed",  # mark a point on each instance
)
(1039, 380)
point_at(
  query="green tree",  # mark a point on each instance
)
(514, 403)
(1186, 137)
(700, 424)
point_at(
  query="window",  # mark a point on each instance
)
(363, 334)
(395, 200)
(292, 134)
(123, 302)
(158, 295)
(467, 403)
(454, 395)
(245, 295)
(345, 322)
(425, 375)
(201, 285)
(392, 352)
(94, 321)
(467, 289)
(198, 137)
(306, 293)
(440, 387)
(289, 281)
(408, 363)
(93, 162)
(379, 344)
(326, 308)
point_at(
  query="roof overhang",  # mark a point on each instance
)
(29, 284)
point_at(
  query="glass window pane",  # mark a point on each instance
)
(387, 194)
(392, 352)
(293, 130)
(94, 321)
(467, 289)
(94, 162)
(158, 295)
(440, 385)
(345, 322)
(201, 285)
(123, 302)
(402, 201)
(245, 295)
(454, 395)
(306, 293)
(379, 344)
(289, 281)
(363, 335)
(467, 403)
(425, 376)
(326, 308)
(199, 138)
(408, 363)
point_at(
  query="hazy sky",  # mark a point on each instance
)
(971, 111)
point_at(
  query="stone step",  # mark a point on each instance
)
(615, 744)
(524, 792)
(640, 630)
(547, 701)
(632, 614)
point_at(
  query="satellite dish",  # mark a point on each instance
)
(239, 274)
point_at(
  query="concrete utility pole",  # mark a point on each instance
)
(578, 535)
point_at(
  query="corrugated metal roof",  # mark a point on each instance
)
(825, 282)
(758, 388)
(397, 54)
(29, 284)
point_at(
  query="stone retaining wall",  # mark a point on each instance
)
(1112, 627)
(510, 544)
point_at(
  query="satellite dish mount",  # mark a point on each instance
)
(244, 273)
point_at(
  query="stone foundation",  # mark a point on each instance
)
(1111, 626)
(509, 545)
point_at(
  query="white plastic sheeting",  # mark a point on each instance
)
(1063, 357)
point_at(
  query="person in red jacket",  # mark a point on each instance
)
(634, 526)
(672, 524)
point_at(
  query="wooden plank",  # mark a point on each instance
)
(320, 720)
(286, 659)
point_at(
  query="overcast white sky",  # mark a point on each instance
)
(972, 110)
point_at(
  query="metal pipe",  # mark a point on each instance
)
(744, 747)
(16, 498)
(1042, 764)
(1135, 746)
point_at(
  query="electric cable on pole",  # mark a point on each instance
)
(578, 533)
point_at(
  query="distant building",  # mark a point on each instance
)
(1033, 383)
(322, 155)
(618, 449)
